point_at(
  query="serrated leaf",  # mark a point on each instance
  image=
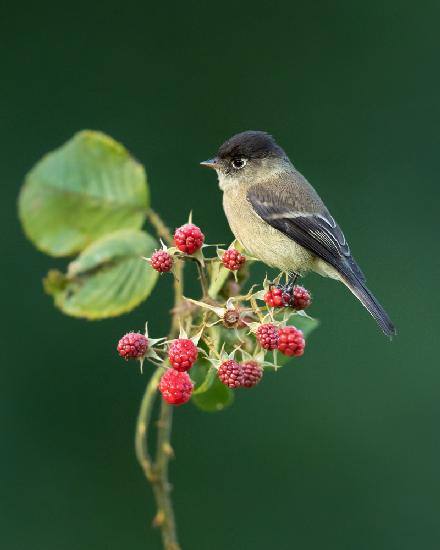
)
(217, 398)
(87, 188)
(107, 279)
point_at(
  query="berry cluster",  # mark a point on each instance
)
(188, 238)
(175, 385)
(288, 340)
(240, 375)
(298, 299)
(256, 330)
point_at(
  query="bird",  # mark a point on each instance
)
(279, 218)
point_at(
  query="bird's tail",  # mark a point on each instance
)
(368, 300)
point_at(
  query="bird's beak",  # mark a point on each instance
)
(211, 163)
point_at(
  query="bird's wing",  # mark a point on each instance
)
(317, 232)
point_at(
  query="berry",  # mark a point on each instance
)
(188, 238)
(291, 341)
(233, 260)
(252, 374)
(231, 374)
(176, 387)
(267, 335)
(182, 354)
(301, 298)
(132, 346)
(161, 261)
(276, 298)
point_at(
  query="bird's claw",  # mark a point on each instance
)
(286, 292)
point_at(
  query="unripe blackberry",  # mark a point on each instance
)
(252, 374)
(132, 346)
(301, 298)
(291, 341)
(231, 374)
(176, 387)
(233, 260)
(161, 261)
(188, 238)
(275, 297)
(182, 354)
(267, 335)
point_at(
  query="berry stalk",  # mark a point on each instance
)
(156, 471)
(220, 327)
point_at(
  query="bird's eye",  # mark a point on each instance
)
(239, 163)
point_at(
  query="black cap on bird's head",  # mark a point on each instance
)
(248, 145)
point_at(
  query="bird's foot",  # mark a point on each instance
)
(287, 289)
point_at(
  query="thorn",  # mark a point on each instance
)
(168, 450)
(159, 519)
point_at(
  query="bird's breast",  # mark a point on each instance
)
(260, 239)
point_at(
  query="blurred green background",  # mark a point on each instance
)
(340, 450)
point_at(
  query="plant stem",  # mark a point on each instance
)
(217, 282)
(157, 472)
(161, 229)
(203, 279)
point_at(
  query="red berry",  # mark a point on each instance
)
(276, 298)
(188, 238)
(291, 341)
(161, 261)
(176, 387)
(252, 374)
(133, 345)
(267, 335)
(301, 298)
(182, 354)
(231, 374)
(233, 260)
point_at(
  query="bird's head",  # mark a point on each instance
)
(248, 156)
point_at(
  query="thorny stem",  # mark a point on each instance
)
(156, 471)
(161, 229)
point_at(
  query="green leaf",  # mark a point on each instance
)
(206, 380)
(87, 188)
(217, 398)
(305, 323)
(107, 279)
